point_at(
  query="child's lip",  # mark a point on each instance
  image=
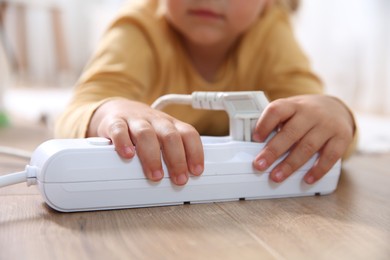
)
(205, 13)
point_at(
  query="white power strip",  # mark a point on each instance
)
(88, 174)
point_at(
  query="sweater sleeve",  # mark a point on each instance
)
(122, 67)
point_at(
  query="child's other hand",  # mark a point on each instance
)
(308, 124)
(134, 127)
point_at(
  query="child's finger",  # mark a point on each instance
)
(291, 133)
(173, 151)
(118, 131)
(147, 148)
(299, 154)
(193, 148)
(274, 114)
(329, 155)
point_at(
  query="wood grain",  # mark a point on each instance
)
(351, 223)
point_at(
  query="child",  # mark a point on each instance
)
(155, 47)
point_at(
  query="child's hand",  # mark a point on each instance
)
(308, 124)
(134, 127)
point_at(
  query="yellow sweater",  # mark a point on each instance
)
(141, 58)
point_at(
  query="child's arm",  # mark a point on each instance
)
(308, 124)
(134, 127)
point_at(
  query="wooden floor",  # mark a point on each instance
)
(351, 223)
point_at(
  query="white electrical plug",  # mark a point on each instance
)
(243, 108)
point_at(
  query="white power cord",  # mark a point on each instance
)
(165, 100)
(13, 178)
(28, 175)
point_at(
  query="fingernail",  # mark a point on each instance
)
(181, 179)
(278, 176)
(157, 175)
(310, 179)
(256, 137)
(262, 164)
(198, 170)
(129, 150)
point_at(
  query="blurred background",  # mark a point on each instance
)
(44, 45)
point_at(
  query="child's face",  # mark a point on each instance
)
(210, 22)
